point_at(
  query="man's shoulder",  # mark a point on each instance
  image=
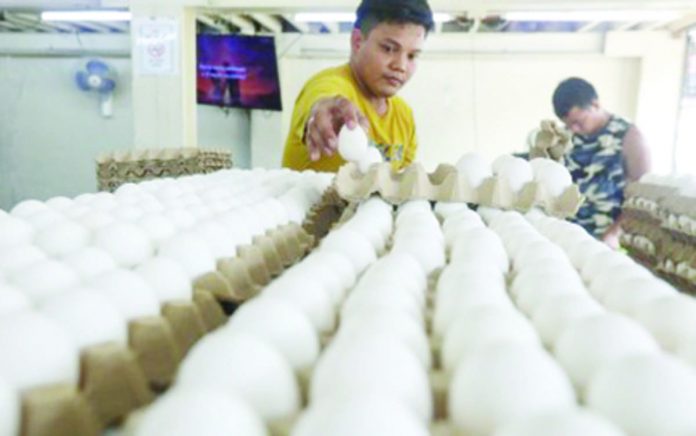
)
(340, 73)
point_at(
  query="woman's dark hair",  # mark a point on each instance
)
(573, 92)
(373, 12)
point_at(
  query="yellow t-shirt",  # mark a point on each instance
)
(394, 133)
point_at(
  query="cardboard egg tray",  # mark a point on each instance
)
(116, 379)
(117, 168)
(660, 231)
(446, 184)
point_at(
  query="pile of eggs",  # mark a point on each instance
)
(533, 337)
(536, 328)
(75, 271)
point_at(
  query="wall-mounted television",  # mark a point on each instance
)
(238, 71)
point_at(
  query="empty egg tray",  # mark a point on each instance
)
(447, 185)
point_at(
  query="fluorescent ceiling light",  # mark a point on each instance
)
(632, 15)
(86, 16)
(348, 17)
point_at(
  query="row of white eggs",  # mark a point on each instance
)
(553, 176)
(377, 362)
(623, 286)
(284, 322)
(592, 344)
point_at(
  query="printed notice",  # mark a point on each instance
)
(156, 46)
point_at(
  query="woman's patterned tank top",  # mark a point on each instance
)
(597, 166)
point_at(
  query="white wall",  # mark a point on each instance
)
(485, 92)
(50, 131)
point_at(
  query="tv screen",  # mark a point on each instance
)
(238, 71)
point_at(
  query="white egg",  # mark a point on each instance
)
(428, 251)
(14, 232)
(10, 409)
(482, 326)
(354, 246)
(281, 325)
(221, 242)
(529, 298)
(646, 395)
(262, 377)
(44, 279)
(586, 250)
(352, 143)
(370, 157)
(20, 257)
(668, 318)
(180, 413)
(191, 251)
(552, 316)
(503, 383)
(590, 343)
(157, 226)
(90, 261)
(380, 295)
(62, 239)
(475, 168)
(572, 422)
(309, 297)
(181, 218)
(633, 293)
(516, 171)
(26, 208)
(60, 203)
(36, 352)
(127, 292)
(12, 300)
(351, 368)
(127, 243)
(392, 322)
(87, 317)
(166, 278)
(602, 285)
(375, 414)
(501, 161)
(336, 264)
(604, 263)
(553, 176)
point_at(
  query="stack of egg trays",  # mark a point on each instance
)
(660, 231)
(447, 185)
(117, 168)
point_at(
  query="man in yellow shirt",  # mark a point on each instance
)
(385, 44)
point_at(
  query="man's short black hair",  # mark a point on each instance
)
(373, 12)
(573, 92)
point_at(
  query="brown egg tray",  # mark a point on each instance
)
(446, 184)
(132, 166)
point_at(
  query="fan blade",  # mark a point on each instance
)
(98, 67)
(107, 86)
(81, 80)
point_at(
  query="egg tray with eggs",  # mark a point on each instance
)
(447, 184)
(117, 168)
(114, 379)
(503, 289)
(660, 231)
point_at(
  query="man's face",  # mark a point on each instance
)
(385, 59)
(583, 121)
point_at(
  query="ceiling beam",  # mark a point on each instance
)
(627, 26)
(268, 21)
(592, 25)
(683, 23)
(244, 25)
(302, 27)
(211, 21)
(28, 22)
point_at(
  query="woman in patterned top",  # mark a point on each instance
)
(607, 152)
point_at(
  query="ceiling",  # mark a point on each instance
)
(279, 16)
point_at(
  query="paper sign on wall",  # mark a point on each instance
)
(156, 46)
